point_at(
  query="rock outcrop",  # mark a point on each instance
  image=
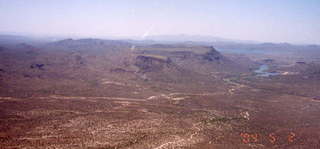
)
(152, 63)
(212, 55)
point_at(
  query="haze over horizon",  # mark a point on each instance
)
(290, 21)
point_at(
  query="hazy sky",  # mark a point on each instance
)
(296, 21)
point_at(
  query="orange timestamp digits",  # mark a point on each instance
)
(249, 138)
(291, 137)
(272, 138)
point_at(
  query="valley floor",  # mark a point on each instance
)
(240, 117)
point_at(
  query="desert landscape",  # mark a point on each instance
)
(159, 74)
(101, 94)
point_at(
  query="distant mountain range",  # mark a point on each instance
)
(219, 43)
(17, 39)
(193, 38)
